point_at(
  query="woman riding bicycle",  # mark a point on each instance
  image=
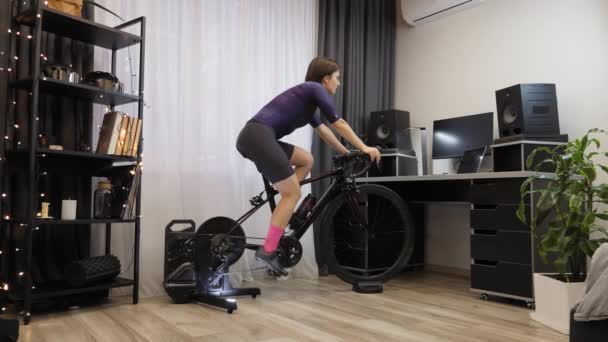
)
(292, 109)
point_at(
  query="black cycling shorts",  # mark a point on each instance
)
(258, 143)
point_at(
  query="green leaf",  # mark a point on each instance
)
(576, 202)
(532, 155)
(589, 219)
(598, 229)
(589, 173)
(604, 168)
(596, 130)
(584, 142)
(602, 216)
(521, 212)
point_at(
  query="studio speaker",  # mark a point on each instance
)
(386, 129)
(527, 109)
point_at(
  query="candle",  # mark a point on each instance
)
(68, 209)
(45, 210)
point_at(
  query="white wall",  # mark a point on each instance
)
(452, 67)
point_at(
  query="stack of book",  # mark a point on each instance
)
(128, 209)
(119, 134)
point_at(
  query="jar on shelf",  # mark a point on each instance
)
(102, 205)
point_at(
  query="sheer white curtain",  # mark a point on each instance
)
(210, 65)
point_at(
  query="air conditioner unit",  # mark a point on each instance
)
(416, 12)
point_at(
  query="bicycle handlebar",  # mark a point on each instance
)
(354, 163)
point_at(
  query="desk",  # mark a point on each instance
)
(503, 250)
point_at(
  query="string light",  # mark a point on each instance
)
(16, 126)
(4, 195)
(21, 274)
(5, 287)
(7, 217)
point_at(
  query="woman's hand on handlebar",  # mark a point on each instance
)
(373, 153)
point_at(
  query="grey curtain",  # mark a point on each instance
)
(360, 36)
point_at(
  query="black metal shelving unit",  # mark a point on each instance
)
(44, 19)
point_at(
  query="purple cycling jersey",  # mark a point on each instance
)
(296, 107)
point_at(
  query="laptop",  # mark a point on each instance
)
(471, 160)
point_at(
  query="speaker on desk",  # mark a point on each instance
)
(529, 110)
(386, 129)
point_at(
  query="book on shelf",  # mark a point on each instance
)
(128, 208)
(126, 147)
(136, 137)
(107, 137)
(122, 135)
(119, 134)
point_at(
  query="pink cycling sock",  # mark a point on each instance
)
(272, 239)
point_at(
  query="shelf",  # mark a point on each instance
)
(40, 222)
(77, 155)
(77, 90)
(57, 292)
(77, 28)
(55, 222)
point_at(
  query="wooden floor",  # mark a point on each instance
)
(414, 307)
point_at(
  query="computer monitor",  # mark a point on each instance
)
(452, 137)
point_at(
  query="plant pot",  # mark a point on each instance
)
(73, 7)
(554, 299)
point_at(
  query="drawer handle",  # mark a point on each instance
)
(486, 263)
(485, 232)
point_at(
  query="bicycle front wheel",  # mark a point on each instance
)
(368, 235)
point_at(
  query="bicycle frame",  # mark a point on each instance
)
(334, 189)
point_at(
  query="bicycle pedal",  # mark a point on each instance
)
(272, 273)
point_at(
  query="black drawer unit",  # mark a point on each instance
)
(506, 246)
(502, 247)
(497, 191)
(502, 278)
(503, 217)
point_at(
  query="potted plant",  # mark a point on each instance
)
(567, 206)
